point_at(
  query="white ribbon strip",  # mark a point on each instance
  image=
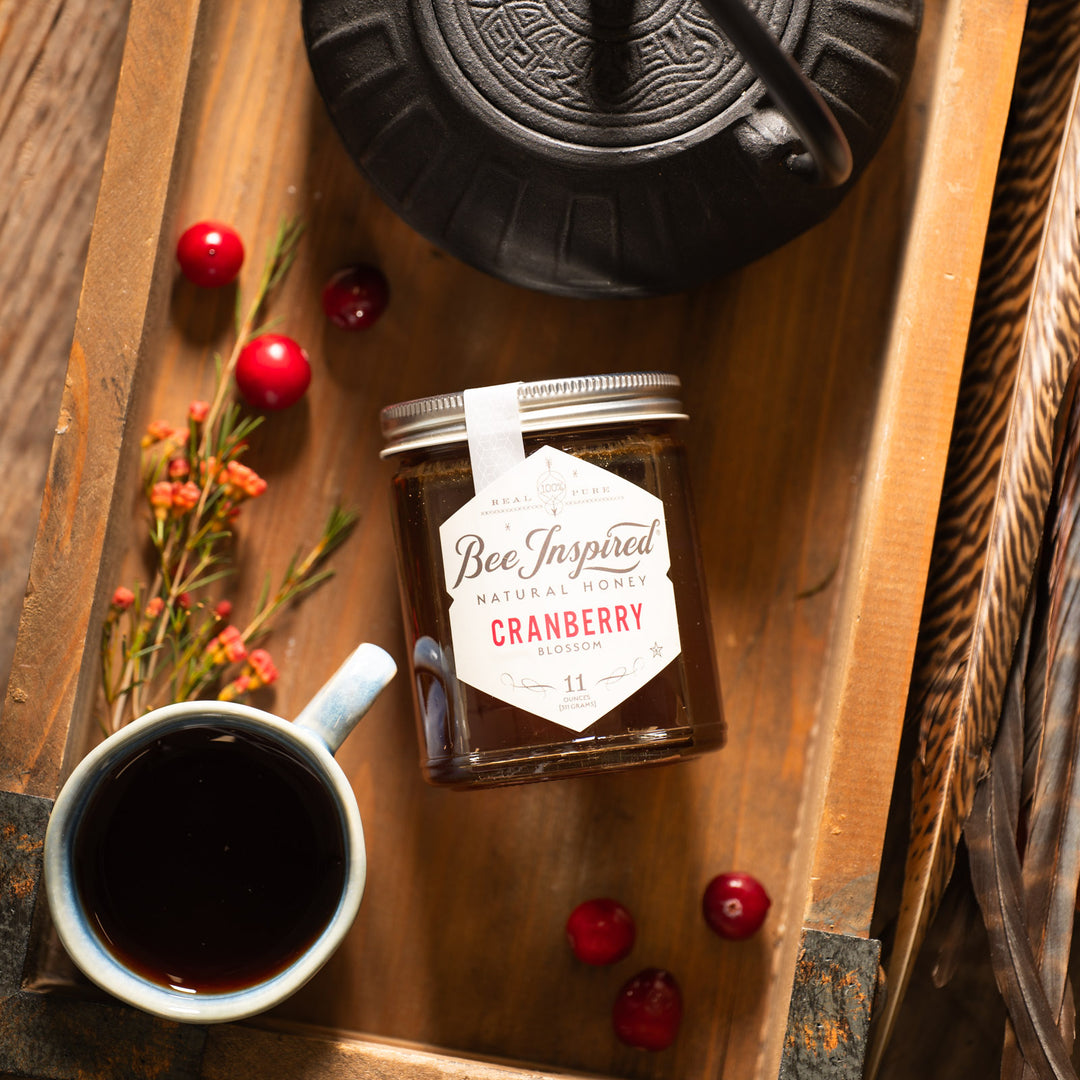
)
(493, 428)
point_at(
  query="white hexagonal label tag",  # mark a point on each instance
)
(561, 604)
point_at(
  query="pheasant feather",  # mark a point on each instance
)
(998, 476)
(996, 876)
(1050, 771)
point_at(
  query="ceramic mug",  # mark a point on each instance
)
(218, 840)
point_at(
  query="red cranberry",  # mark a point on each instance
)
(210, 253)
(735, 905)
(648, 1010)
(600, 931)
(355, 297)
(272, 372)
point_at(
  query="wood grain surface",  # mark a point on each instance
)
(59, 62)
(83, 530)
(459, 944)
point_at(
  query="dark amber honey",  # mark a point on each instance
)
(470, 738)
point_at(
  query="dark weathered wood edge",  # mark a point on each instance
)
(56, 1037)
(23, 819)
(836, 976)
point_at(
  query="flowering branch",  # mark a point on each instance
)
(171, 642)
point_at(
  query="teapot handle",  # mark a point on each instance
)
(795, 95)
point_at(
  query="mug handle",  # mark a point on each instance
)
(338, 706)
(795, 95)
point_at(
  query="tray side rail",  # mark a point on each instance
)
(54, 671)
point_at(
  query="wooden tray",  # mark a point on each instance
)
(821, 383)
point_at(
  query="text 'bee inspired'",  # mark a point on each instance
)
(561, 601)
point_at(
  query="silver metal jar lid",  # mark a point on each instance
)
(543, 405)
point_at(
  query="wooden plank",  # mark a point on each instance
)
(59, 62)
(240, 1052)
(77, 537)
(865, 693)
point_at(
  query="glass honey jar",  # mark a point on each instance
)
(551, 582)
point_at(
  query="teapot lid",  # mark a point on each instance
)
(602, 148)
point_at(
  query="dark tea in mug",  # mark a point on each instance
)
(210, 858)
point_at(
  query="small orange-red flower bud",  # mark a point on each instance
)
(161, 496)
(179, 468)
(263, 666)
(156, 431)
(227, 646)
(155, 606)
(185, 496)
(223, 609)
(198, 410)
(235, 651)
(244, 478)
(240, 685)
(123, 598)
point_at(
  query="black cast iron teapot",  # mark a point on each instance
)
(611, 147)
